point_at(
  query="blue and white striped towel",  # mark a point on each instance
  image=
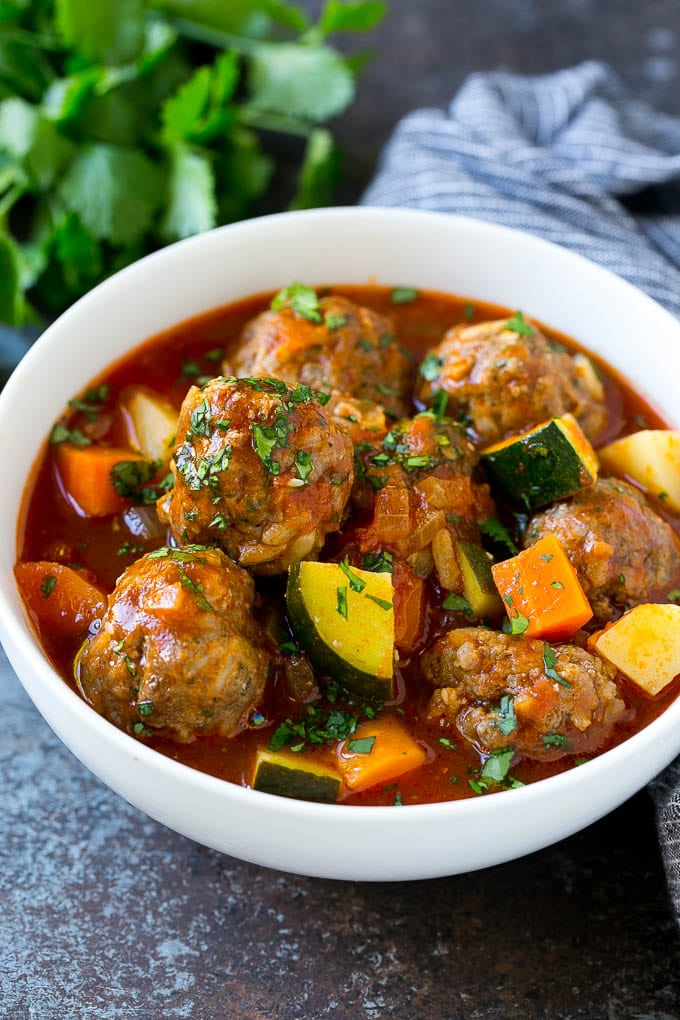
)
(570, 157)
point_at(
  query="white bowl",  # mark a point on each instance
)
(419, 249)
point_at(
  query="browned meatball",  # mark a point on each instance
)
(261, 470)
(178, 652)
(622, 551)
(418, 482)
(495, 689)
(505, 382)
(344, 347)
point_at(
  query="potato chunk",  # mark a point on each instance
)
(644, 645)
(651, 458)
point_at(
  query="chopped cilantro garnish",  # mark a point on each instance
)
(128, 475)
(336, 321)
(380, 563)
(497, 765)
(341, 606)
(469, 311)
(301, 300)
(549, 663)
(402, 295)
(199, 422)
(219, 521)
(456, 604)
(449, 744)
(553, 739)
(498, 533)
(440, 401)
(289, 647)
(61, 434)
(478, 786)
(303, 463)
(355, 582)
(383, 603)
(361, 745)
(196, 589)
(47, 585)
(317, 727)
(518, 324)
(215, 355)
(145, 708)
(515, 625)
(431, 367)
(398, 800)
(673, 595)
(506, 720)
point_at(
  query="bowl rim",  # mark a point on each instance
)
(23, 645)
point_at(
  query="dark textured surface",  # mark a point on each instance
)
(105, 915)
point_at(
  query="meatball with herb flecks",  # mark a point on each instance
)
(622, 551)
(178, 652)
(260, 470)
(504, 377)
(330, 344)
(418, 482)
(501, 691)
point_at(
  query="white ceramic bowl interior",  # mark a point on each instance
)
(358, 245)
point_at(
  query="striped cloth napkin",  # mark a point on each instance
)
(570, 157)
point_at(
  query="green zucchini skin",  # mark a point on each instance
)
(325, 658)
(538, 468)
(280, 776)
(478, 583)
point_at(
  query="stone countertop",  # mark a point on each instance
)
(107, 915)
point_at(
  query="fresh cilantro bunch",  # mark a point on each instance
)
(126, 124)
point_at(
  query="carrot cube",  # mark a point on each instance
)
(85, 475)
(378, 753)
(58, 598)
(541, 592)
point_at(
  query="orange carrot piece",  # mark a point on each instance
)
(85, 475)
(377, 753)
(58, 598)
(409, 606)
(541, 592)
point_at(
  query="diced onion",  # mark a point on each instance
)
(142, 522)
(445, 560)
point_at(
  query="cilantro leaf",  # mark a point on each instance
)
(497, 765)
(108, 30)
(10, 293)
(192, 203)
(319, 172)
(355, 16)
(300, 299)
(518, 324)
(549, 663)
(115, 192)
(312, 82)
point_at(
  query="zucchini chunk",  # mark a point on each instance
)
(478, 583)
(289, 776)
(344, 618)
(652, 459)
(549, 462)
(644, 645)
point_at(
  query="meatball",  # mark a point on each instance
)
(505, 381)
(622, 551)
(260, 469)
(418, 482)
(343, 347)
(503, 691)
(178, 652)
